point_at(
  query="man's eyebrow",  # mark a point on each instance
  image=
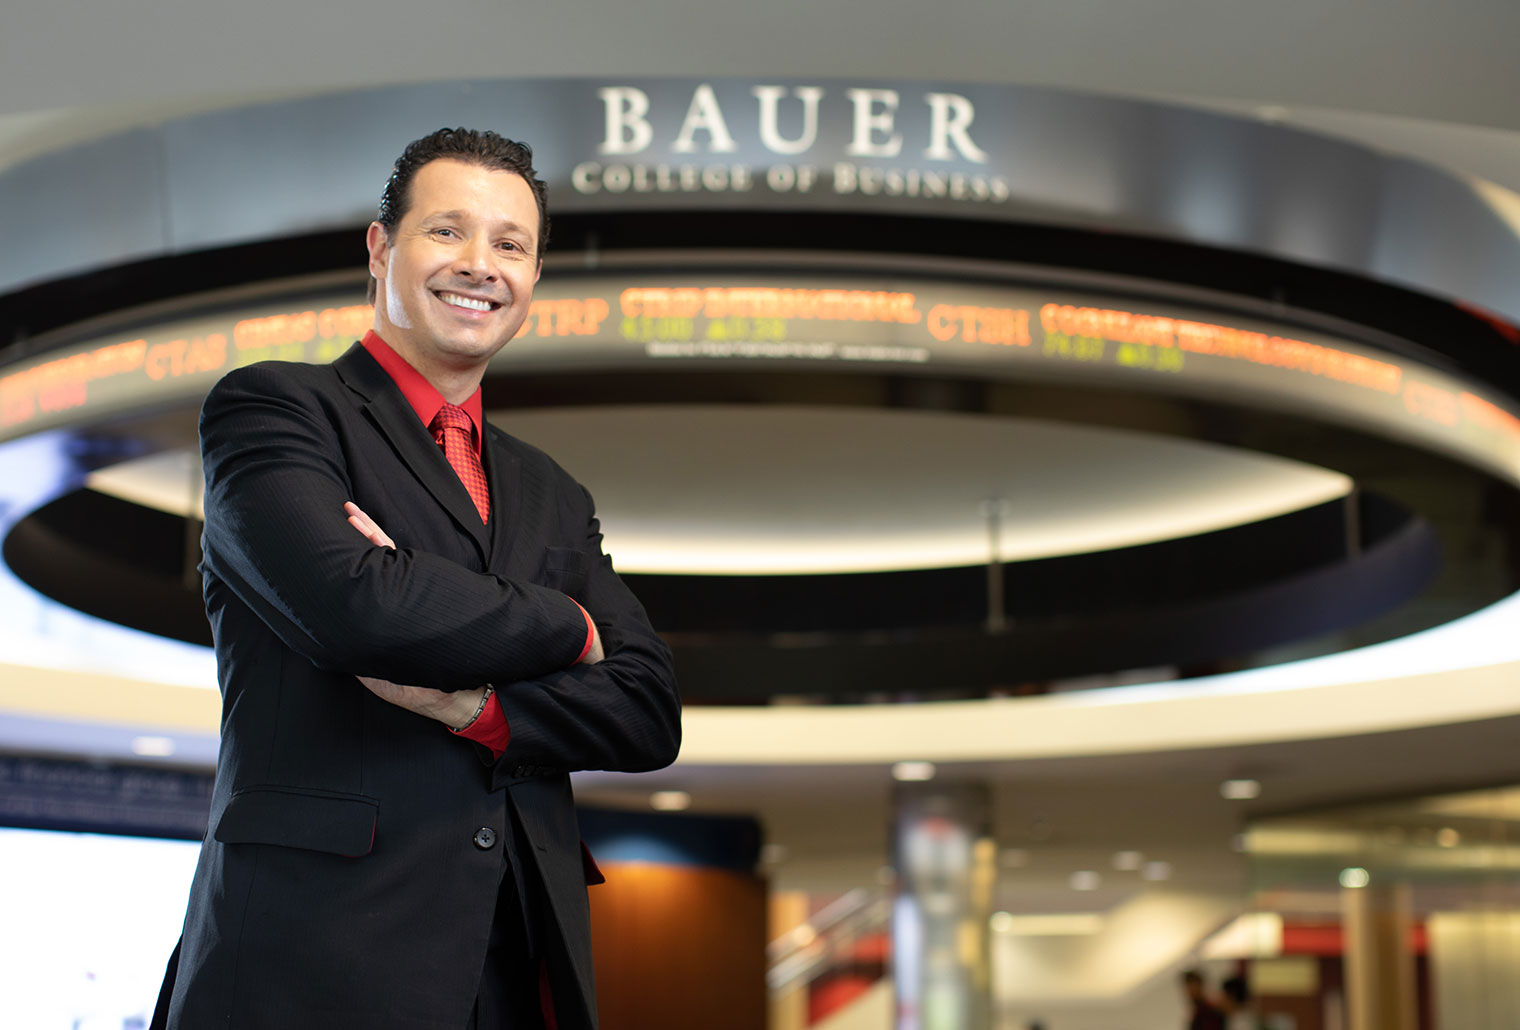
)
(454, 216)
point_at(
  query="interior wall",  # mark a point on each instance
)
(679, 948)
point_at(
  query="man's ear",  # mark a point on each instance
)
(379, 245)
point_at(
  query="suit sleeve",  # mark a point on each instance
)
(276, 533)
(622, 714)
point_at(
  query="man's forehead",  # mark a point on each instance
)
(456, 189)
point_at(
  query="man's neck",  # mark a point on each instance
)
(455, 384)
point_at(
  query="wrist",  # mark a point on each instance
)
(469, 715)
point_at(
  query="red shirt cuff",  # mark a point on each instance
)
(590, 633)
(490, 728)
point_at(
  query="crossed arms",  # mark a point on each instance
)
(277, 479)
(454, 709)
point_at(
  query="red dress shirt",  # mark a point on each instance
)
(490, 727)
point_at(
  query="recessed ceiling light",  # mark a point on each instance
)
(1355, 878)
(153, 747)
(1085, 880)
(1156, 871)
(1128, 861)
(773, 854)
(1240, 790)
(1448, 837)
(670, 801)
(913, 772)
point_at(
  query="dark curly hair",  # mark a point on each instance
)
(486, 149)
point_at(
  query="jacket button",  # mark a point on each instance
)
(485, 838)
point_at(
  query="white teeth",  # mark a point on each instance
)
(465, 302)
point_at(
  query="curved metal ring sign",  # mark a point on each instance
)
(988, 152)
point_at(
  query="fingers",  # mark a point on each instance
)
(367, 526)
(594, 653)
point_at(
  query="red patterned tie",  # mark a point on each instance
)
(454, 432)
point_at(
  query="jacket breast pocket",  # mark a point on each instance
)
(565, 569)
(299, 817)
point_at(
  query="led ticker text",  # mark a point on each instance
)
(631, 320)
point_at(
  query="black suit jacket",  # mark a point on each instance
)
(355, 849)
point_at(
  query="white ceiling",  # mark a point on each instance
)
(796, 490)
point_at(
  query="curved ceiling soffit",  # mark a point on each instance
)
(988, 152)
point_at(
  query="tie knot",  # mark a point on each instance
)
(452, 416)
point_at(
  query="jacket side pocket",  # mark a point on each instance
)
(298, 817)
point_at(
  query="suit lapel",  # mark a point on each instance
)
(504, 475)
(387, 408)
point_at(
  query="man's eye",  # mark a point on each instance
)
(443, 232)
(508, 245)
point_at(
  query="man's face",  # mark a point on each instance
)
(456, 277)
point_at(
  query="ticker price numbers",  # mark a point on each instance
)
(1139, 355)
(647, 329)
(737, 327)
(677, 329)
(1074, 348)
(1093, 349)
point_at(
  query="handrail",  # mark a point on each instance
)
(806, 952)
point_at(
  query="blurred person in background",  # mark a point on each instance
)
(1202, 1014)
(1240, 1014)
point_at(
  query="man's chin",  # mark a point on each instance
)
(471, 348)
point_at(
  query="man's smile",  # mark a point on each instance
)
(460, 300)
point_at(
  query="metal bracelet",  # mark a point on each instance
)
(478, 709)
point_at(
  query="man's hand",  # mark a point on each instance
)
(594, 653)
(451, 709)
(367, 526)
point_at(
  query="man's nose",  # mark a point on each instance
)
(475, 261)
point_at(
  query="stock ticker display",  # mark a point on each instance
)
(685, 321)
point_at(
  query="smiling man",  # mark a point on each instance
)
(418, 639)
